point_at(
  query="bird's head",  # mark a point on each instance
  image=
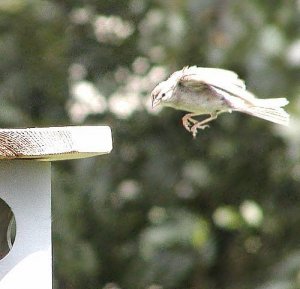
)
(162, 93)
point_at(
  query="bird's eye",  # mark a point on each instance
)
(163, 95)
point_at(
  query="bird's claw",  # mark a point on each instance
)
(188, 123)
(192, 125)
(197, 126)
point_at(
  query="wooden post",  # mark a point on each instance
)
(25, 185)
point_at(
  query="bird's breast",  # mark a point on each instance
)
(201, 103)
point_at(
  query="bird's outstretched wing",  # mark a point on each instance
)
(221, 79)
(213, 76)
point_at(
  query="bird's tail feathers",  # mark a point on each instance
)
(269, 109)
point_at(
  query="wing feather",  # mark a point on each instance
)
(221, 79)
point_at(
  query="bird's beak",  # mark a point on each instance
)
(155, 102)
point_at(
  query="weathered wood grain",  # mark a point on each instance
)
(55, 143)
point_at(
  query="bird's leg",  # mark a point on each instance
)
(187, 119)
(202, 124)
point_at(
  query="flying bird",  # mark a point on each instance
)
(212, 91)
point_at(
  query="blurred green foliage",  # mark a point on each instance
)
(162, 211)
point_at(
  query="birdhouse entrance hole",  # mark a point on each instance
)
(7, 228)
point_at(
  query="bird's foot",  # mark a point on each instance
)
(188, 121)
(186, 124)
(197, 126)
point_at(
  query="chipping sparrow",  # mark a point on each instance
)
(213, 91)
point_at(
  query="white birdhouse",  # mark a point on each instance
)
(25, 186)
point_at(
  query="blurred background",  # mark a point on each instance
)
(162, 211)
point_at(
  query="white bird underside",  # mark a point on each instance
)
(228, 84)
